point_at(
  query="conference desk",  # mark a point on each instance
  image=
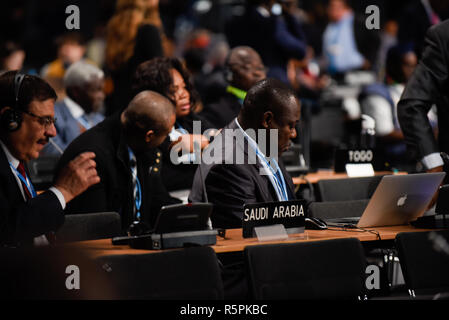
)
(314, 177)
(234, 241)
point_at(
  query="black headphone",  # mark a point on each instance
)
(11, 119)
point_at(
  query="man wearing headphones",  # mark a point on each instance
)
(26, 124)
(244, 68)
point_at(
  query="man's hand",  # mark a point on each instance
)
(77, 176)
(186, 142)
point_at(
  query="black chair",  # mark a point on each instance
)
(331, 269)
(337, 209)
(424, 258)
(89, 226)
(191, 273)
(52, 273)
(347, 189)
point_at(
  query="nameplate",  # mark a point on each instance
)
(352, 156)
(354, 170)
(288, 213)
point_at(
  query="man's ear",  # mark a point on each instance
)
(267, 119)
(149, 136)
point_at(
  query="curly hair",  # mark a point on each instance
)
(122, 29)
(155, 75)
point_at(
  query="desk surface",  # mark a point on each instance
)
(314, 177)
(234, 241)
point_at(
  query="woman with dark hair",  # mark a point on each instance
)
(169, 77)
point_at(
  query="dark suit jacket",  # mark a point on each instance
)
(223, 111)
(21, 221)
(413, 25)
(115, 191)
(428, 85)
(230, 186)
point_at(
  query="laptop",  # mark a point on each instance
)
(398, 200)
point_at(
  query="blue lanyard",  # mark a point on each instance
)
(83, 121)
(181, 129)
(138, 200)
(25, 181)
(279, 179)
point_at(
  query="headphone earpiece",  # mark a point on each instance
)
(11, 118)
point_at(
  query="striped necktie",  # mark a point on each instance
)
(21, 169)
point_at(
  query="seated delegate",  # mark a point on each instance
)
(237, 168)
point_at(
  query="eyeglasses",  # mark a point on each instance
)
(46, 122)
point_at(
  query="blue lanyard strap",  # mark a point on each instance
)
(83, 121)
(25, 181)
(181, 128)
(138, 196)
(277, 175)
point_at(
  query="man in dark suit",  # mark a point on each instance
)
(429, 85)
(26, 124)
(244, 68)
(128, 161)
(236, 168)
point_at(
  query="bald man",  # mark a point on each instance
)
(244, 68)
(231, 183)
(126, 144)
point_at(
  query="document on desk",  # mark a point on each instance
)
(359, 170)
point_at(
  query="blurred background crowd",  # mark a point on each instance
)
(347, 76)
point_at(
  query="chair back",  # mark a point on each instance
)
(331, 269)
(89, 226)
(191, 273)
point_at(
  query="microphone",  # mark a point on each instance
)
(203, 185)
(54, 144)
(198, 153)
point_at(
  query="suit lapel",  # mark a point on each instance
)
(6, 175)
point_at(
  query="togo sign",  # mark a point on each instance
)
(345, 156)
(289, 213)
